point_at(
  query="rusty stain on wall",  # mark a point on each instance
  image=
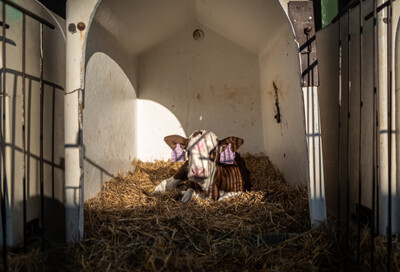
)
(216, 93)
(123, 93)
(199, 97)
(277, 109)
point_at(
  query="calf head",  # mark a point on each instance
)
(204, 151)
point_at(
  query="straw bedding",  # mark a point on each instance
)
(127, 228)
(130, 228)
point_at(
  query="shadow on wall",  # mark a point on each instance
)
(112, 49)
(102, 172)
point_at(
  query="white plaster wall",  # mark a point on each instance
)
(101, 40)
(109, 122)
(285, 142)
(209, 84)
(153, 121)
(109, 109)
(53, 133)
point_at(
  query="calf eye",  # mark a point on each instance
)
(213, 155)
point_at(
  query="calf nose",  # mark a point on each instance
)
(198, 172)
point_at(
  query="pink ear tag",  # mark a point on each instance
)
(227, 157)
(178, 154)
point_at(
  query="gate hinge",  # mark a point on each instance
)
(301, 15)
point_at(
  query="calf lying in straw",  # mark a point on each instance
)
(214, 167)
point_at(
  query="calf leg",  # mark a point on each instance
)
(172, 182)
(167, 185)
(190, 194)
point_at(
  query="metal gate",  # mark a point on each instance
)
(365, 118)
(30, 128)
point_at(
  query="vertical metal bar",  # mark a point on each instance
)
(389, 69)
(4, 180)
(41, 134)
(339, 129)
(348, 133)
(28, 140)
(23, 124)
(360, 128)
(375, 131)
(53, 143)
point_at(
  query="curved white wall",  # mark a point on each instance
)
(109, 121)
(285, 141)
(246, 46)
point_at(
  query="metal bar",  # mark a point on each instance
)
(378, 9)
(53, 143)
(29, 13)
(375, 130)
(41, 134)
(348, 133)
(7, 26)
(339, 129)
(389, 68)
(29, 155)
(360, 134)
(31, 77)
(23, 125)
(4, 180)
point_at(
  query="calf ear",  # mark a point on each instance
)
(235, 142)
(172, 140)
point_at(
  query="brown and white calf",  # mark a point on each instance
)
(215, 168)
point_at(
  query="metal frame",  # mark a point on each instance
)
(26, 168)
(389, 109)
(4, 181)
(360, 11)
(375, 133)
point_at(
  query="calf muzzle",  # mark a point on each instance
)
(197, 173)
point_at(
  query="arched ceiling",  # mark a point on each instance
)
(139, 25)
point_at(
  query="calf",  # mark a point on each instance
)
(214, 167)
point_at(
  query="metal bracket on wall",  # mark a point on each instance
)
(301, 15)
